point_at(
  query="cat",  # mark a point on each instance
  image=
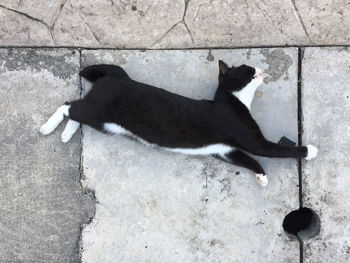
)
(223, 127)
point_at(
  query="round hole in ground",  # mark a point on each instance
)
(304, 223)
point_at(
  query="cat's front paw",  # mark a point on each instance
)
(46, 129)
(65, 137)
(261, 179)
(311, 152)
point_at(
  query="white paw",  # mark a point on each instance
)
(261, 179)
(65, 137)
(46, 129)
(311, 152)
(71, 128)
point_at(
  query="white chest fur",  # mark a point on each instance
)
(220, 149)
(246, 95)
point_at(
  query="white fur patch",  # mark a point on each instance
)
(55, 120)
(261, 179)
(86, 86)
(117, 129)
(311, 152)
(71, 128)
(246, 95)
(219, 149)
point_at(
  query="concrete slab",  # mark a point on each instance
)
(40, 9)
(244, 23)
(155, 206)
(116, 23)
(326, 21)
(19, 30)
(173, 23)
(42, 205)
(326, 112)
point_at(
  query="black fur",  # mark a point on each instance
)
(170, 120)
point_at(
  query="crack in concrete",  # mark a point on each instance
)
(50, 26)
(300, 20)
(189, 32)
(25, 15)
(93, 33)
(54, 19)
(165, 34)
(32, 18)
(199, 8)
(182, 21)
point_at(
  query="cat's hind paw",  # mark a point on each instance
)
(311, 152)
(261, 179)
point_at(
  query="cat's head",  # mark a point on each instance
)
(236, 79)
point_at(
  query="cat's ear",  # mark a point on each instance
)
(223, 67)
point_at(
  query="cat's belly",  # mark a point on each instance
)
(218, 148)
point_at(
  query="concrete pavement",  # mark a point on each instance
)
(173, 23)
(154, 206)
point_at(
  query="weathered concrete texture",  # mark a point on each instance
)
(326, 180)
(242, 23)
(155, 206)
(116, 23)
(173, 23)
(42, 205)
(327, 22)
(39, 9)
(18, 30)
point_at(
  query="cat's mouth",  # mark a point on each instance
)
(258, 76)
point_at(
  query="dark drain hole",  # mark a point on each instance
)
(303, 223)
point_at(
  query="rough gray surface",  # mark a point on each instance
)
(40, 9)
(327, 22)
(42, 205)
(19, 30)
(173, 23)
(326, 180)
(114, 23)
(155, 206)
(242, 23)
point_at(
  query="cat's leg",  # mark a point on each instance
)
(71, 128)
(55, 120)
(240, 158)
(266, 148)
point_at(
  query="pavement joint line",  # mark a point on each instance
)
(300, 135)
(300, 124)
(165, 49)
(85, 190)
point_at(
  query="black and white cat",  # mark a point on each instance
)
(223, 127)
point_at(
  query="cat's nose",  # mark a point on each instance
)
(258, 72)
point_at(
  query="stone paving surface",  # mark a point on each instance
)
(155, 206)
(159, 206)
(326, 111)
(42, 206)
(173, 23)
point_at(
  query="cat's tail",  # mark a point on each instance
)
(94, 72)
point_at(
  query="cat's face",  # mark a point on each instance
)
(234, 79)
